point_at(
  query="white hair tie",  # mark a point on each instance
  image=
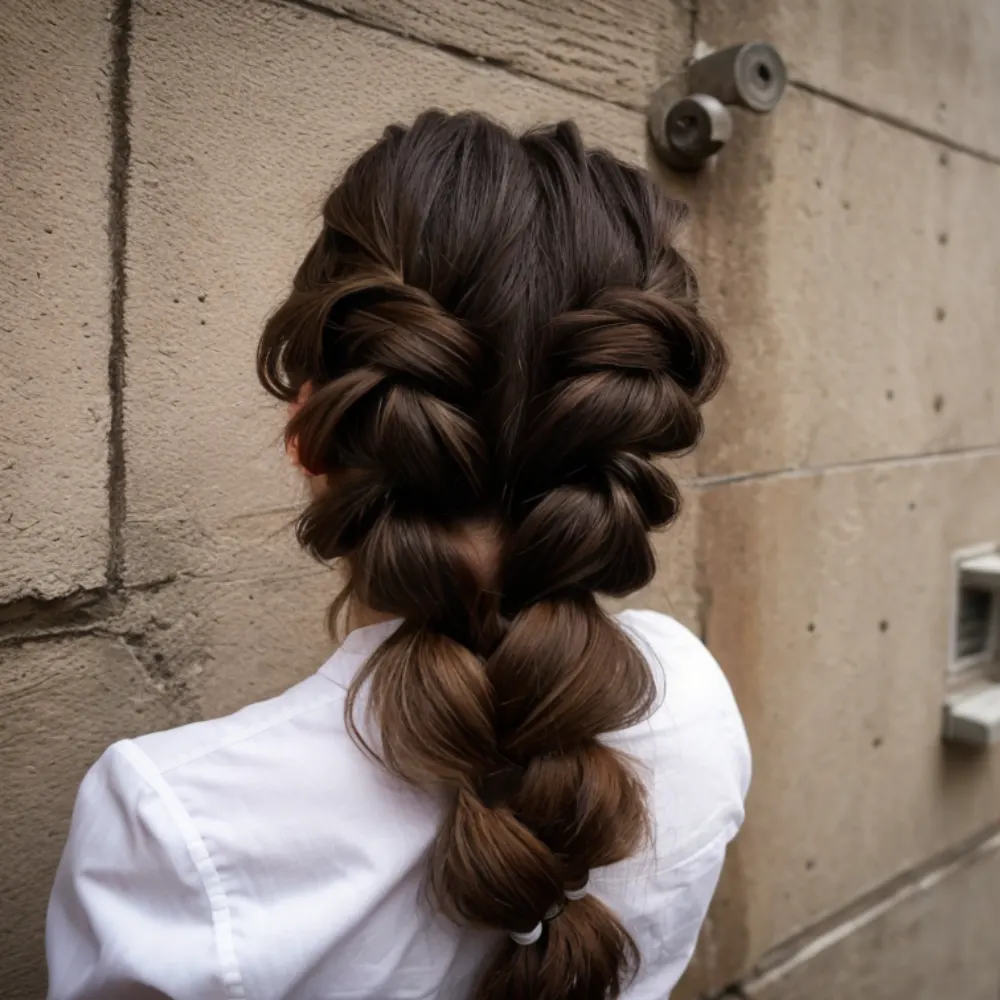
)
(524, 938)
(527, 937)
(530, 937)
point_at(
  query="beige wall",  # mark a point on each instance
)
(160, 171)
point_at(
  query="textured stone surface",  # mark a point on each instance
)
(933, 939)
(54, 331)
(614, 49)
(232, 155)
(217, 644)
(929, 62)
(63, 703)
(828, 598)
(862, 311)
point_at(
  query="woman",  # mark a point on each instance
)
(493, 789)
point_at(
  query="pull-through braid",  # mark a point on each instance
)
(626, 375)
(499, 341)
(389, 423)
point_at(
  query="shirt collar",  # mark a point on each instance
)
(359, 644)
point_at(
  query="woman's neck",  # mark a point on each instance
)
(361, 616)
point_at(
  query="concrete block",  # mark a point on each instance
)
(62, 704)
(931, 64)
(232, 155)
(931, 939)
(617, 50)
(828, 599)
(215, 645)
(54, 279)
(861, 310)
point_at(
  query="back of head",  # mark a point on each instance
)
(498, 333)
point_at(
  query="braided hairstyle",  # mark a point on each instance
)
(497, 332)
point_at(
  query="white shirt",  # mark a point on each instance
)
(263, 856)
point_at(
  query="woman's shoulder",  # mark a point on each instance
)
(175, 749)
(686, 672)
(167, 818)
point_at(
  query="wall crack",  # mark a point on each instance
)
(121, 151)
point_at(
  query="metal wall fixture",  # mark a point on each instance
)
(690, 122)
(971, 712)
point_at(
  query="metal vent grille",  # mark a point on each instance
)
(975, 616)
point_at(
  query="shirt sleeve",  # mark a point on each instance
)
(136, 897)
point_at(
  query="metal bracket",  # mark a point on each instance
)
(690, 126)
(973, 719)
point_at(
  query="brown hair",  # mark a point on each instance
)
(497, 329)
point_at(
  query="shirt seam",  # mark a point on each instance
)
(200, 752)
(211, 881)
(331, 676)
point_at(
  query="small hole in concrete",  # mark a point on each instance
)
(939, 314)
(883, 625)
(944, 159)
(202, 322)
(846, 204)
(811, 627)
(176, 300)
(890, 395)
(810, 864)
(819, 182)
(943, 239)
(158, 657)
(877, 742)
(938, 403)
(201, 298)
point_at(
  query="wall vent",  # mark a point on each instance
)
(975, 615)
(971, 714)
(976, 624)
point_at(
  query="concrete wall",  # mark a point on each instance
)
(161, 167)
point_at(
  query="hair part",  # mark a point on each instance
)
(498, 330)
